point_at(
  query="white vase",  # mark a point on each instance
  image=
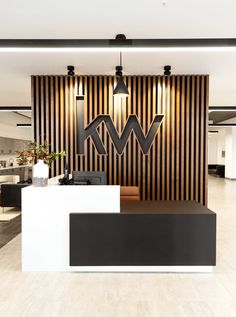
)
(40, 174)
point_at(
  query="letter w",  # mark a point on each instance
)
(119, 142)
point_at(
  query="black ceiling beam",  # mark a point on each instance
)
(108, 43)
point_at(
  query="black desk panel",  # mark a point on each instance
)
(155, 238)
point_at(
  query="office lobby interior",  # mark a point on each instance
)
(117, 158)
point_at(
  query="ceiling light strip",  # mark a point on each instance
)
(66, 45)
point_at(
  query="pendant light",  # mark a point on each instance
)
(120, 89)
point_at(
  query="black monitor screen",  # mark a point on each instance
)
(89, 178)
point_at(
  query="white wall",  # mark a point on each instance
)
(230, 158)
(8, 128)
(212, 148)
(13, 145)
(221, 146)
(216, 144)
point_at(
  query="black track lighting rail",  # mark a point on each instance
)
(22, 125)
(221, 125)
(15, 108)
(118, 42)
(222, 108)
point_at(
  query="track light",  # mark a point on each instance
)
(120, 89)
(70, 70)
(167, 70)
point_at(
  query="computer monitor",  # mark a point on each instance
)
(89, 178)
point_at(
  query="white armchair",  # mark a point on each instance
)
(11, 179)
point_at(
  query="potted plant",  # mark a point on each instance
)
(43, 157)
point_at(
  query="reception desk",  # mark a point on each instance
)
(45, 221)
(85, 229)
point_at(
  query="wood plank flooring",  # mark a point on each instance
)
(9, 230)
(129, 295)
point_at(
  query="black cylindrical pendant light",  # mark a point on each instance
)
(120, 90)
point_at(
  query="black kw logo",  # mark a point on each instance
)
(119, 142)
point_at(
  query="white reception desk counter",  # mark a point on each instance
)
(45, 221)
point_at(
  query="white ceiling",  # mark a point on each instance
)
(106, 18)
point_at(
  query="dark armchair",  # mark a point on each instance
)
(11, 195)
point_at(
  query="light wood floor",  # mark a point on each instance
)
(136, 295)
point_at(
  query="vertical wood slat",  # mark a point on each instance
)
(56, 143)
(192, 141)
(90, 118)
(201, 140)
(187, 120)
(52, 117)
(36, 109)
(100, 112)
(143, 115)
(95, 115)
(135, 182)
(148, 123)
(86, 120)
(168, 139)
(110, 111)
(154, 146)
(71, 130)
(206, 103)
(163, 144)
(173, 137)
(105, 89)
(177, 134)
(42, 108)
(197, 120)
(137, 150)
(176, 165)
(182, 137)
(129, 163)
(159, 154)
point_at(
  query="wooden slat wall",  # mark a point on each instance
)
(176, 165)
